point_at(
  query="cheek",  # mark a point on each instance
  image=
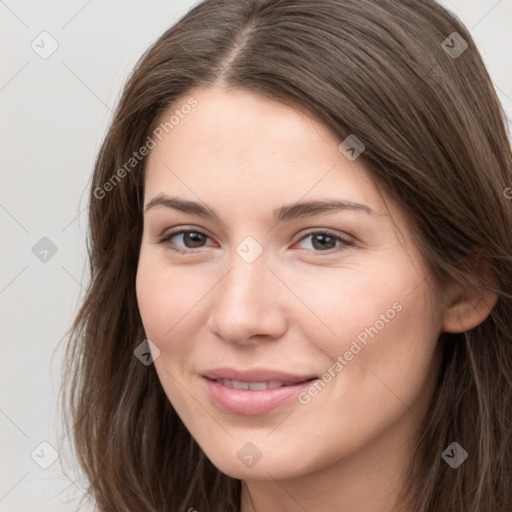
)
(377, 369)
(164, 297)
(387, 355)
(162, 305)
(172, 303)
(381, 324)
(153, 300)
(350, 304)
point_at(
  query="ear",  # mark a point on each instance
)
(468, 306)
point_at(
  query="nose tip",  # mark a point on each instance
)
(245, 305)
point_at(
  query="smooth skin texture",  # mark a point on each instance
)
(296, 308)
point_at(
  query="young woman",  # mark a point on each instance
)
(301, 269)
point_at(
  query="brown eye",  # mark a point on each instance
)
(190, 239)
(193, 239)
(323, 241)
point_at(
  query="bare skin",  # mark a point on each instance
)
(297, 307)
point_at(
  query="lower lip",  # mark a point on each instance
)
(251, 403)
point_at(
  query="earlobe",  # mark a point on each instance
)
(469, 309)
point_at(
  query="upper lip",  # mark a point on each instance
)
(255, 375)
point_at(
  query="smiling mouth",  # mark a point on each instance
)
(251, 398)
(257, 386)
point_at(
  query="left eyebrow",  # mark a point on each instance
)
(294, 211)
(284, 213)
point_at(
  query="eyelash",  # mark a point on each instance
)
(166, 239)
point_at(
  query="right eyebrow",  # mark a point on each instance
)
(182, 205)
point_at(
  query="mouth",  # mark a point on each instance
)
(255, 376)
(257, 386)
(252, 396)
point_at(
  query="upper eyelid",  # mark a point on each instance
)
(304, 232)
(179, 231)
(307, 232)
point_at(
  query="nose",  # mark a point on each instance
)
(248, 303)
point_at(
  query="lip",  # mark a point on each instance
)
(248, 402)
(255, 375)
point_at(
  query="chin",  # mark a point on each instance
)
(236, 463)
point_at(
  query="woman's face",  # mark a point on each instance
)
(277, 286)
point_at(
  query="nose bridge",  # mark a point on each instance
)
(245, 303)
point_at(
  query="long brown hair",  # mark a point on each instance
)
(389, 71)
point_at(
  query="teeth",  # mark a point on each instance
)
(255, 386)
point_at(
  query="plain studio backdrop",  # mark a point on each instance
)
(63, 67)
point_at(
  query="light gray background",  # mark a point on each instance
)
(55, 112)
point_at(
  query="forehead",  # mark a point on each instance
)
(246, 148)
